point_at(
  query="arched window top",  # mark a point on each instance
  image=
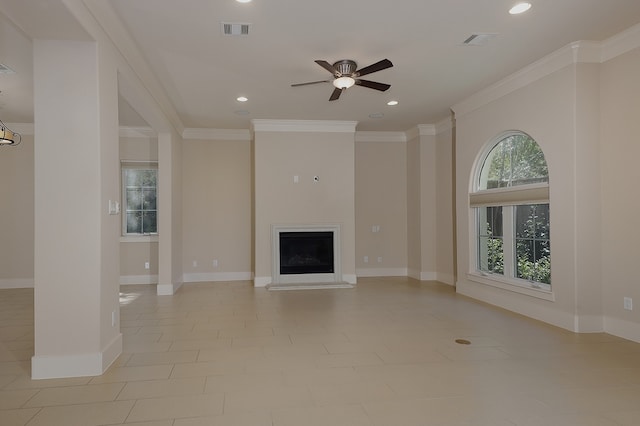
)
(516, 159)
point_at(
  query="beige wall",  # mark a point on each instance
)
(17, 213)
(217, 210)
(381, 200)
(619, 153)
(545, 109)
(281, 155)
(414, 224)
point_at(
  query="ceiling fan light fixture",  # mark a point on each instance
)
(7, 137)
(344, 82)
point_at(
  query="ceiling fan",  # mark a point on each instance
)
(346, 74)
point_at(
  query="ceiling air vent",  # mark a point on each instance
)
(6, 70)
(235, 29)
(478, 39)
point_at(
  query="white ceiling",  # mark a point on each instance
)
(203, 72)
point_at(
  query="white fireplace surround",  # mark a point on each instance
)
(277, 278)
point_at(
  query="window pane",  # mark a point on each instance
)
(140, 200)
(533, 249)
(149, 198)
(134, 223)
(490, 251)
(515, 160)
(149, 222)
(134, 199)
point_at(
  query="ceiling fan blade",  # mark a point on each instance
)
(311, 82)
(336, 94)
(378, 66)
(373, 85)
(327, 66)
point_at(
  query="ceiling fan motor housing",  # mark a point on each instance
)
(345, 67)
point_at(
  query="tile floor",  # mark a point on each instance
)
(383, 353)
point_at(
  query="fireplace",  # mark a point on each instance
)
(306, 254)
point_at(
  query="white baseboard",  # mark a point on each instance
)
(138, 279)
(629, 330)
(445, 278)
(217, 276)
(261, 281)
(350, 278)
(382, 272)
(167, 289)
(76, 365)
(7, 283)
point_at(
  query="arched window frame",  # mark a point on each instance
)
(506, 199)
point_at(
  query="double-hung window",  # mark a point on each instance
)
(139, 199)
(510, 206)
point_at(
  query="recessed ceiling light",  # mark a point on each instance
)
(392, 103)
(243, 1)
(520, 8)
(242, 99)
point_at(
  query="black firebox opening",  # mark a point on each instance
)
(306, 253)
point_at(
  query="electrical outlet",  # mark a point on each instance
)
(146, 265)
(366, 259)
(215, 263)
(628, 303)
(195, 264)
(379, 259)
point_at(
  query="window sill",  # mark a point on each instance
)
(511, 285)
(139, 239)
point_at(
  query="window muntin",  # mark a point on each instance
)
(139, 200)
(512, 230)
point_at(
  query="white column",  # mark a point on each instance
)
(76, 239)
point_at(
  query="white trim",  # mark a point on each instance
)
(445, 278)
(261, 281)
(426, 129)
(136, 132)
(445, 125)
(621, 43)
(543, 67)
(381, 137)
(622, 328)
(216, 134)
(504, 283)
(138, 279)
(132, 238)
(8, 283)
(330, 126)
(197, 277)
(76, 365)
(381, 272)
(167, 289)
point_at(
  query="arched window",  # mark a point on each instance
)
(510, 201)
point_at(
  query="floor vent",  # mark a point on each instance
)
(235, 29)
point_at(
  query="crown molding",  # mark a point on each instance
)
(320, 126)
(621, 43)
(381, 137)
(216, 134)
